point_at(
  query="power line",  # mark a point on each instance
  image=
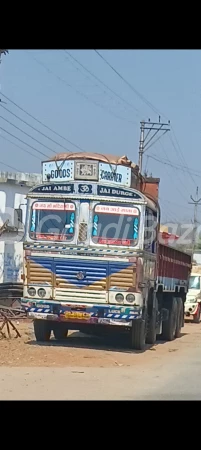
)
(174, 165)
(41, 123)
(148, 103)
(180, 192)
(10, 167)
(182, 157)
(81, 93)
(24, 132)
(176, 204)
(20, 140)
(177, 175)
(168, 210)
(167, 201)
(130, 86)
(156, 140)
(196, 203)
(18, 146)
(104, 84)
(33, 128)
(71, 60)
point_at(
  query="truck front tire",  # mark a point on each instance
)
(138, 332)
(60, 331)
(42, 330)
(151, 326)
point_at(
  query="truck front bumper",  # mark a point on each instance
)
(80, 313)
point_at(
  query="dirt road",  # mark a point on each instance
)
(89, 368)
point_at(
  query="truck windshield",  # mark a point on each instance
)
(52, 220)
(194, 282)
(115, 224)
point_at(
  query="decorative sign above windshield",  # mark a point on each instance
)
(86, 170)
(67, 170)
(58, 171)
(107, 191)
(110, 173)
(87, 189)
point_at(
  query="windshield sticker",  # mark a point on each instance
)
(113, 241)
(95, 225)
(135, 228)
(72, 223)
(33, 221)
(107, 209)
(54, 206)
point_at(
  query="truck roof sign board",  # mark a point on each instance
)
(58, 171)
(68, 170)
(110, 173)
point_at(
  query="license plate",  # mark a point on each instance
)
(77, 315)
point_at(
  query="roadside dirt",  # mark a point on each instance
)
(83, 351)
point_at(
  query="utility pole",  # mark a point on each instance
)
(144, 144)
(141, 147)
(196, 203)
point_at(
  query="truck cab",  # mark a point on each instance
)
(193, 299)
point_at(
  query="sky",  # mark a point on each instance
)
(103, 115)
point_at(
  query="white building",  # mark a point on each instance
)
(13, 190)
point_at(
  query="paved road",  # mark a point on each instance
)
(173, 376)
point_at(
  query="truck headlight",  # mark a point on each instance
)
(31, 291)
(119, 298)
(130, 298)
(41, 292)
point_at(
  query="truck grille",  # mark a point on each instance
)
(124, 279)
(39, 272)
(81, 296)
(77, 278)
(69, 273)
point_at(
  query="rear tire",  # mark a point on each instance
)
(60, 331)
(196, 317)
(138, 331)
(152, 319)
(170, 325)
(42, 330)
(180, 314)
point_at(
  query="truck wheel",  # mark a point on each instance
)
(169, 326)
(60, 331)
(138, 331)
(196, 317)
(151, 332)
(42, 330)
(179, 317)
